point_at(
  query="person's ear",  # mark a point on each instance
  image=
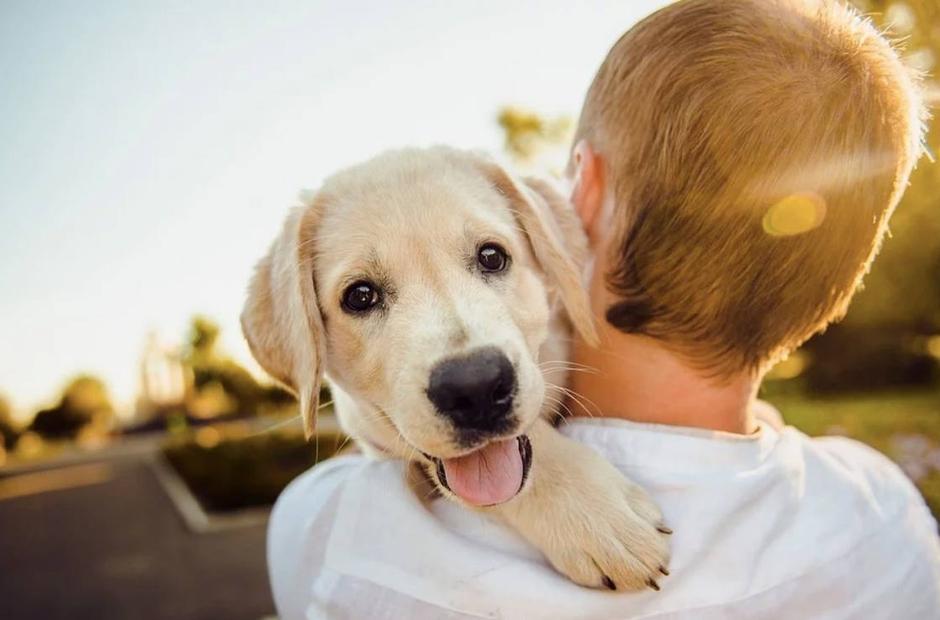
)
(587, 193)
(281, 319)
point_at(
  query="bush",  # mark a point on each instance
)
(247, 472)
(59, 423)
(853, 358)
(84, 401)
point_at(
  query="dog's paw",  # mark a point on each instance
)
(611, 536)
(594, 526)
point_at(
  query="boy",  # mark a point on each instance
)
(735, 166)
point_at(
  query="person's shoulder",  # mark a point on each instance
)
(323, 478)
(897, 552)
(305, 517)
(310, 495)
(865, 490)
(852, 462)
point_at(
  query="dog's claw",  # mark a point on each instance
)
(609, 583)
(663, 570)
(663, 529)
(653, 585)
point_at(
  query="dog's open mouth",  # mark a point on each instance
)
(491, 475)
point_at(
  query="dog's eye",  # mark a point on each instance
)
(360, 297)
(492, 258)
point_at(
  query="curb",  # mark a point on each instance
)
(194, 516)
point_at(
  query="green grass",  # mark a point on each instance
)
(905, 426)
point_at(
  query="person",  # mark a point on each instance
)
(735, 166)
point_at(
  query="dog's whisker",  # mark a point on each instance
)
(556, 363)
(343, 444)
(580, 399)
(566, 369)
(316, 451)
(557, 368)
(273, 427)
(588, 400)
(553, 400)
(560, 404)
(291, 420)
(561, 365)
(566, 363)
(572, 395)
(432, 492)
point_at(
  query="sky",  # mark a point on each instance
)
(151, 149)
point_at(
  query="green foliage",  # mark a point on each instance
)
(240, 473)
(528, 134)
(213, 370)
(84, 401)
(203, 338)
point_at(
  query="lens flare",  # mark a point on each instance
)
(208, 437)
(795, 215)
(933, 346)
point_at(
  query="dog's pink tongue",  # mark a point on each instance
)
(491, 475)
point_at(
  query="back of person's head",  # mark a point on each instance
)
(753, 151)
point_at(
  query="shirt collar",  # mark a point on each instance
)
(672, 448)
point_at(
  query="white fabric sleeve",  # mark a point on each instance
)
(298, 529)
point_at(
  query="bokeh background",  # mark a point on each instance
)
(150, 152)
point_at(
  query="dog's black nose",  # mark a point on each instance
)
(474, 391)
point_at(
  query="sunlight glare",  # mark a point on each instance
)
(933, 346)
(794, 215)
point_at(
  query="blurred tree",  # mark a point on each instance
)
(8, 431)
(84, 401)
(533, 140)
(203, 338)
(221, 383)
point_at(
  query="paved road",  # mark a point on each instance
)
(113, 546)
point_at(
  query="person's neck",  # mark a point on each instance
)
(636, 378)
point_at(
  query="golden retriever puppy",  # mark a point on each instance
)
(436, 293)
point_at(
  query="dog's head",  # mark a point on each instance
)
(421, 282)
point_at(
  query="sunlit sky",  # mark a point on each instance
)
(150, 149)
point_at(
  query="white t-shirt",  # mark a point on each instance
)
(773, 525)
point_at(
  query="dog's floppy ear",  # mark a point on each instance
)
(557, 240)
(281, 319)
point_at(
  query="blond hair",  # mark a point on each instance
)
(754, 150)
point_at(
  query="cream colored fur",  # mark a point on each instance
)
(412, 220)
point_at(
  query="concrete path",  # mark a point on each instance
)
(101, 540)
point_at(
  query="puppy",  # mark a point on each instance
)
(437, 294)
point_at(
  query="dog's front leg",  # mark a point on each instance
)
(594, 526)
